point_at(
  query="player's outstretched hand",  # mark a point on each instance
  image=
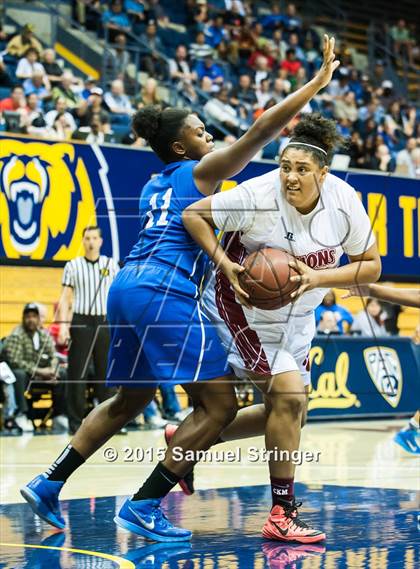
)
(357, 290)
(330, 64)
(307, 278)
(232, 272)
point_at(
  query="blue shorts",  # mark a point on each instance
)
(158, 332)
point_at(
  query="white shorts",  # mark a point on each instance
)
(265, 342)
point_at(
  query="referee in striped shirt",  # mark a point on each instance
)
(86, 281)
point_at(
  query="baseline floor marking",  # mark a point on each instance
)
(122, 563)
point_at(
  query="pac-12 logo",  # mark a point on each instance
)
(384, 369)
(46, 199)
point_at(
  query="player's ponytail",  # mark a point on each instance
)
(318, 136)
(160, 128)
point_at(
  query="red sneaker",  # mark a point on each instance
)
(283, 524)
(187, 483)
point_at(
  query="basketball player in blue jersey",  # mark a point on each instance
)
(158, 331)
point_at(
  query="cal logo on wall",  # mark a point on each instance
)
(384, 368)
(47, 198)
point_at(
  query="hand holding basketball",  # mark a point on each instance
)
(307, 278)
(232, 272)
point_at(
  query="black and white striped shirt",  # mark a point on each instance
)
(90, 281)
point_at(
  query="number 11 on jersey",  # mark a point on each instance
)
(163, 208)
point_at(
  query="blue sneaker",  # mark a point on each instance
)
(146, 518)
(407, 439)
(42, 495)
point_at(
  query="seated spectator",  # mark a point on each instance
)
(149, 94)
(86, 12)
(279, 43)
(261, 70)
(405, 164)
(200, 49)
(20, 43)
(292, 21)
(52, 68)
(16, 101)
(152, 62)
(294, 44)
(117, 101)
(369, 322)
(403, 42)
(61, 110)
(244, 94)
(65, 89)
(264, 93)
(291, 64)
(218, 108)
(115, 20)
(339, 86)
(215, 32)
(328, 324)
(179, 68)
(5, 77)
(37, 84)
(281, 88)
(117, 58)
(383, 160)
(136, 11)
(62, 128)
(33, 110)
(28, 64)
(208, 68)
(342, 317)
(30, 353)
(98, 132)
(345, 107)
(94, 110)
(356, 151)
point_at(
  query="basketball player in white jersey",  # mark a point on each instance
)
(302, 209)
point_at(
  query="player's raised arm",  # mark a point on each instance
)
(227, 162)
(405, 296)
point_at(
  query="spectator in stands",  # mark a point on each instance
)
(261, 70)
(294, 44)
(244, 94)
(33, 110)
(62, 113)
(369, 322)
(16, 101)
(215, 32)
(179, 69)
(37, 84)
(149, 94)
(281, 88)
(136, 12)
(405, 164)
(208, 68)
(62, 128)
(345, 107)
(98, 131)
(342, 317)
(264, 93)
(117, 59)
(339, 86)
(19, 44)
(328, 324)
(219, 109)
(94, 110)
(153, 63)
(357, 151)
(30, 353)
(118, 103)
(292, 21)
(5, 77)
(52, 68)
(115, 20)
(65, 89)
(28, 64)
(200, 49)
(403, 43)
(291, 64)
(383, 159)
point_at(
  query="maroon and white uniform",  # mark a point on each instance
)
(254, 215)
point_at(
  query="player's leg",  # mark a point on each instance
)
(286, 393)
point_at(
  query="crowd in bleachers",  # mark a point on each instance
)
(230, 60)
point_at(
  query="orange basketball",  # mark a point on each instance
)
(267, 278)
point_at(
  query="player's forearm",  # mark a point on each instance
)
(405, 296)
(358, 272)
(273, 120)
(203, 233)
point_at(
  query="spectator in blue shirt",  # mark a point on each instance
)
(208, 68)
(36, 85)
(343, 316)
(216, 32)
(115, 20)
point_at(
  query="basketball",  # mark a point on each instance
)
(267, 278)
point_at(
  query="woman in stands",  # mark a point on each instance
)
(159, 334)
(315, 216)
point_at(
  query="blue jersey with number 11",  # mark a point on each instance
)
(163, 238)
